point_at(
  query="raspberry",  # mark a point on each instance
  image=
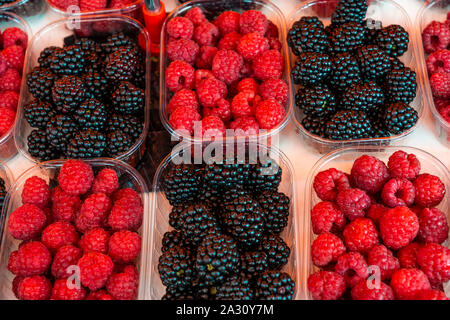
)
(119, 3)
(213, 126)
(7, 119)
(206, 56)
(227, 22)
(403, 165)
(61, 291)
(95, 269)
(275, 44)
(406, 283)
(272, 30)
(180, 28)
(369, 174)
(124, 246)
(179, 75)
(183, 119)
(353, 267)
(14, 57)
(244, 104)
(182, 50)
(26, 222)
(106, 182)
(95, 240)
(36, 191)
(326, 248)
(398, 227)
(124, 193)
(92, 5)
(431, 295)
(202, 74)
(93, 212)
(326, 217)
(3, 64)
(206, 34)
(430, 190)
(328, 183)
(439, 61)
(209, 91)
(13, 37)
(398, 192)
(251, 45)
(441, 103)
(10, 80)
(325, 285)
(9, 100)
(229, 41)
(124, 285)
(227, 66)
(434, 261)
(196, 15)
(245, 126)
(408, 255)
(269, 114)
(99, 295)
(15, 286)
(248, 84)
(440, 85)
(32, 259)
(361, 291)
(222, 110)
(275, 89)
(435, 36)
(34, 288)
(65, 257)
(445, 113)
(360, 235)
(65, 207)
(433, 226)
(59, 234)
(353, 203)
(76, 177)
(126, 214)
(383, 258)
(268, 65)
(375, 212)
(253, 21)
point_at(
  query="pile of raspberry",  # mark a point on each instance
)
(226, 73)
(91, 5)
(13, 44)
(379, 233)
(436, 42)
(79, 240)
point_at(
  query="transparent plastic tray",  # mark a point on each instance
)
(53, 35)
(343, 159)
(388, 12)
(432, 10)
(272, 12)
(6, 175)
(160, 223)
(128, 178)
(25, 8)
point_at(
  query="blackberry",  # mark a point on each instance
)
(209, 195)
(128, 99)
(88, 46)
(379, 128)
(38, 113)
(39, 146)
(393, 40)
(274, 285)
(254, 262)
(347, 37)
(116, 40)
(225, 175)
(265, 175)
(175, 215)
(348, 125)
(195, 221)
(372, 27)
(118, 143)
(349, 11)
(344, 71)
(86, 144)
(204, 290)
(232, 194)
(235, 288)
(139, 77)
(68, 93)
(364, 96)
(316, 101)
(172, 239)
(91, 115)
(181, 183)
(175, 268)
(60, 129)
(96, 84)
(396, 64)
(177, 294)
(400, 117)
(45, 57)
(122, 64)
(67, 61)
(275, 206)
(40, 83)
(311, 68)
(374, 63)
(314, 125)
(127, 124)
(2, 193)
(276, 249)
(400, 85)
(307, 34)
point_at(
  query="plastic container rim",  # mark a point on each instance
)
(127, 9)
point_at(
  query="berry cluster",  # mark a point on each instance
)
(88, 98)
(82, 231)
(352, 84)
(225, 73)
(91, 5)
(226, 242)
(380, 221)
(13, 44)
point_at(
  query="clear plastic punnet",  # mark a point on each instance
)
(6, 175)
(25, 8)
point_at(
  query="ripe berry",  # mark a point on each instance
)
(179, 75)
(268, 65)
(206, 34)
(430, 190)
(362, 292)
(245, 126)
(433, 226)
(26, 222)
(326, 217)
(227, 22)
(59, 234)
(435, 36)
(36, 191)
(34, 288)
(209, 91)
(403, 165)
(183, 119)
(325, 285)
(434, 261)
(431, 295)
(124, 285)
(213, 126)
(124, 246)
(253, 21)
(398, 192)
(76, 177)
(408, 255)
(227, 65)
(61, 291)
(269, 114)
(180, 28)
(94, 240)
(406, 283)
(106, 182)
(353, 203)
(251, 45)
(327, 184)
(93, 212)
(126, 214)
(398, 227)
(369, 174)
(275, 89)
(95, 269)
(360, 235)
(353, 267)
(326, 248)
(182, 50)
(64, 258)
(383, 258)
(31, 259)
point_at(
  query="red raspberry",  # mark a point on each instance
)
(10, 80)
(253, 21)
(206, 34)
(124, 193)
(206, 56)
(34, 288)
(430, 190)
(431, 295)
(36, 191)
(245, 126)
(272, 30)
(59, 234)
(106, 182)
(433, 226)
(222, 110)
(196, 15)
(13, 37)
(251, 45)
(124, 246)
(408, 255)
(95, 240)
(353, 267)
(7, 119)
(360, 235)
(9, 100)
(209, 91)
(440, 85)
(328, 183)
(403, 165)
(441, 103)
(32, 259)
(326, 217)
(275, 44)
(275, 89)
(14, 57)
(179, 75)
(229, 41)
(227, 66)
(3, 64)
(180, 28)
(398, 227)
(362, 292)
(375, 212)
(369, 174)
(76, 177)
(435, 36)
(434, 261)
(13, 267)
(65, 207)
(61, 291)
(26, 222)
(398, 192)
(113, 4)
(406, 283)
(93, 212)
(445, 113)
(248, 84)
(202, 74)
(353, 203)
(268, 65)
(124, 285)
(15, 286)
(244, 104)
(228, 22)
(95, 269)
(326, 248)
(383, 258)
(183, 50)
(65, 257)
(126, 214)
(269, 114)
(439, 61)
(326, 285)
(213, 126)
(183, 119)
(99, 295)
(92, 5)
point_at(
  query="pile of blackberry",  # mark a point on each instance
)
(352, 84)
(88, 98)
(225, 244)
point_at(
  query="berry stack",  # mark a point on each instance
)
(88, 98)
(91, 5)
(225, 244)
(379, 233)
(351, 82)
(226, 73)
(79, 239)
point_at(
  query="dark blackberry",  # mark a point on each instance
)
(314, 125)
(232, 194)
(40, 83)
(122, 64)
(348, 125)
(175, 268)
(316, 101)
(400, 85)
(38, 113)
(45, 57)
(265, 175)
(372, 27)
(68, 61)
(374, 63)
(60, 129)
(311, 68)
(396, 64)
(2, 193)
(393, 39)
(307, 34)
(175, 215)
(349, 11)
(274, 285)
(254, 262)
(177, 294)
(172, 239)
(86, 144)
(96, 84)
(181, 183)
(204, 291)
(379, 128)
(88, 46)
(209, 195)
(276, 249)
(400, 117)
(225, 175)
(195, 221)
(117, 143)
(139, 77)
(127, 124)
(91, 115)
(275, 206)
(116, 40)
(364, 96)
(39, 147)
(344, 71)
(347, 37)
(68, 93)
(236, 287)
(128, 99)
